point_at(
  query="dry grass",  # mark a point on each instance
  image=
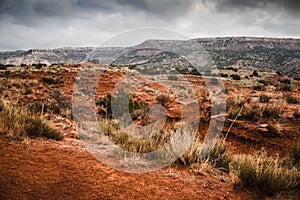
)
(17, 122)
(265, 175)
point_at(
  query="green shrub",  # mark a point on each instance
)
(286, 81)
(3, 67)
(235, 77)
(265, 175)
(136, 108)
(255, 73)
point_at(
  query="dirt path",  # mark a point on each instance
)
(46, 169)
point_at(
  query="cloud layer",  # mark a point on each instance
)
(50, 24)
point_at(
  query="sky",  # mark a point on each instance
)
(27, 24)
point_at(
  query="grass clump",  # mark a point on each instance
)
(217, 158)
(264, 98)
(18, 123)
(292, 100)
(295, 155)
(265, 175)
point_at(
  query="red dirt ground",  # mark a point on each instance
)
(47, 169)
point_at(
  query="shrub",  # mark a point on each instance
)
(278, 73)
(173, 78)
(214, 81)
(285, 87)
(251, 113)
(286, 81)
(136, 108)
(162, 99)
(18, 122)
(292, 100)
(296, 114)
(48, 80)
(265, 175)
(223, 75)
(218, 157)
(271, 112)
(258, 88)
(3, 67)
(273, 130)
(235, 77)
(264, 98)
(255, 73)
(295, 155)
(59, 102)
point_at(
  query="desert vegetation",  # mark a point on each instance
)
(261, 112)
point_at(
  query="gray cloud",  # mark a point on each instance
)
(288, 5)
(56, 23)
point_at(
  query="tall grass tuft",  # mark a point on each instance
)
(18, 123)
(265, 175)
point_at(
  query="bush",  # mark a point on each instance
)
(235, 77)
(173, 78)
(264, 98)
(255, 73)
(285, 87)
(286, 81)
(296, 114)
(136, 108)
(48, 80)
(3, 67)
(271, 112)
(278, 73)
(223, 75)
(214, 81)
(258, 88)
(218, 157)
(292, 100)
(162, 99)
(295, 155)
(264, 175)
(18, 122)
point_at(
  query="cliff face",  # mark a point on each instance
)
(265, 54)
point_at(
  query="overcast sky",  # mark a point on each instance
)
(29, 24)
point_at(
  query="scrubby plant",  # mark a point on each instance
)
(136, 108)
(264, 175)
(258, 88)
(285, 87)
(48, 80)
(292, 100)
(263, 98)
(271, 112)
(59, 103)
(286, 81)
(296, 114)
(18, 123)
(235, 77)
(162, 99)
(255, 73)
(295, 155)
(218, 157)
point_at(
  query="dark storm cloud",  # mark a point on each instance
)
(31, 12)
(56, 23)
(288, 5)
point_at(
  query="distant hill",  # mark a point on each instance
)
(265, 54)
